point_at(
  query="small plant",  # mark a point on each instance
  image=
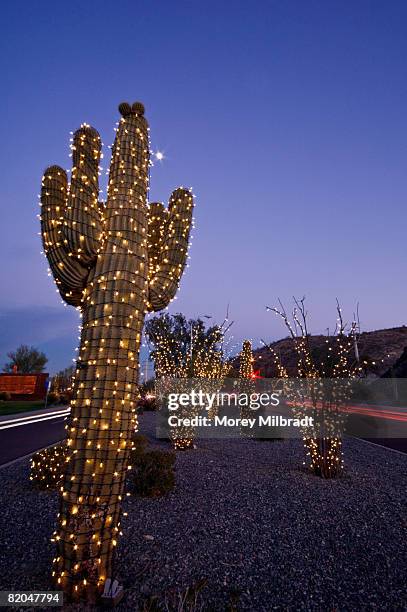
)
(152, 473)
(184, 349)
(62, 381)
(139, 444)
(246, 383)
(177, 600)
(47, 465)
(53, 398)
(183, 444)
(338, 362)
(65, 398)
(147, 403)
(234, 599)
(5, 396)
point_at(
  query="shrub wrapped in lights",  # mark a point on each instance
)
(47, 466)
(246, 384)
(114, 261)
(246, 361)
(187, 349)
(339, 363)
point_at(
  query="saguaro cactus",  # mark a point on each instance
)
(114, 261)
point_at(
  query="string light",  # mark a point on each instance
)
(246, 360)
(47, 465)
(180, 353)
(339, 366)
(246, 384)
(115, 262)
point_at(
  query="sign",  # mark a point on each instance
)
(24, 387)
(18, 385)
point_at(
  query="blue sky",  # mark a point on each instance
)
(287, 118)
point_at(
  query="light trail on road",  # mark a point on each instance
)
(36, 418)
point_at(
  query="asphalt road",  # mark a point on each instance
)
(19, 441)
(22, 440)
(399, 444)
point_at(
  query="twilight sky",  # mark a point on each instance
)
(288, 119)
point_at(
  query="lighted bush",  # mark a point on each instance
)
(139, 445)
(46, 466)
(152, 473)
(65, 398)
(5, 396)
(53, 398)
(147, 404)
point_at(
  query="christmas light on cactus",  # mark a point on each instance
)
(115, 262)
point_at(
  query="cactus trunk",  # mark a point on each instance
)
(99, 441)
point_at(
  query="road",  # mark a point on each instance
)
(384, 425)
(398, 444)
(25, 433)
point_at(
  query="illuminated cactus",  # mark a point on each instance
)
(115, 262)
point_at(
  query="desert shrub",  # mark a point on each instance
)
(65, 398)
(177, 599)
(53, 398)
(139, 444)
(147, 387)
(147, 404)
(336, 360)
(152, 473)
(47, 465)
(5, 396)
(183, 444)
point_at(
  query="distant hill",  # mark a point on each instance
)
(381, 350)
(399, 368)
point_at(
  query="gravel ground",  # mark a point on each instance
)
(249, 520)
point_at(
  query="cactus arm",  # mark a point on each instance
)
(69, 274)
(83, 225)
(166, 269)
(157, 216)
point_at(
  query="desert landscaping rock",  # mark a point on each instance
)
(247, 518)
